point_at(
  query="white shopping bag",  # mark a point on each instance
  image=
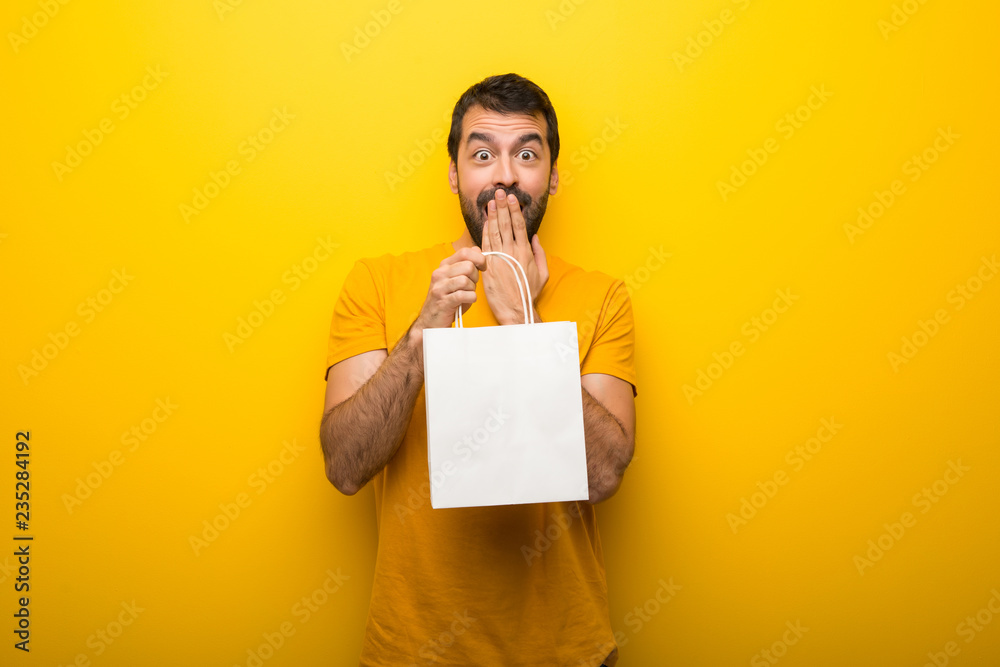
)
(504, 411)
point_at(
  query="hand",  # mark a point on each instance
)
(504, 230)
(453, 285)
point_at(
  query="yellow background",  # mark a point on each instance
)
(359, 115)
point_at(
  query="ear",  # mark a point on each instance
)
(554, 178)
(453, 176)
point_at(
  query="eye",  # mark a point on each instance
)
(482, 152)
(526, 152)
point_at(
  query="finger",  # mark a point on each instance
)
(485, 234)
(493, 231)
(457, 290)
(518, 224)
(460, 283)
(478, 260)
(459, 255)
(472, 266)
(503, 222)
(462, 294)
(471, 254)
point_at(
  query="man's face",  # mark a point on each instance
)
(509, 152)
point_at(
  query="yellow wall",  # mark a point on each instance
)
(163, 97)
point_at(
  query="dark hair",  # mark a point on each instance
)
(506, 94)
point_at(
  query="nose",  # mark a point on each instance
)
(504, 175)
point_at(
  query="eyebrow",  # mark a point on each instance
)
(490, 139)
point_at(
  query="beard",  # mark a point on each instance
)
(475, 212)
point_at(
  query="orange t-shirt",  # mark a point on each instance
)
(488, 586)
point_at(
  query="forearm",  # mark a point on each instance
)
(361, 434)
(608, 448)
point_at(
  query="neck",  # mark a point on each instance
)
(464, 241)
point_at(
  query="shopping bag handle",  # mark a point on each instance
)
(528, 307)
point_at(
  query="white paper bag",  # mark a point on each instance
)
(504, 411)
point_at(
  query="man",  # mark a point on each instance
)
(501, 585)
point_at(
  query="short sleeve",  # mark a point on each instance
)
(358, 317)
(613, 349)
